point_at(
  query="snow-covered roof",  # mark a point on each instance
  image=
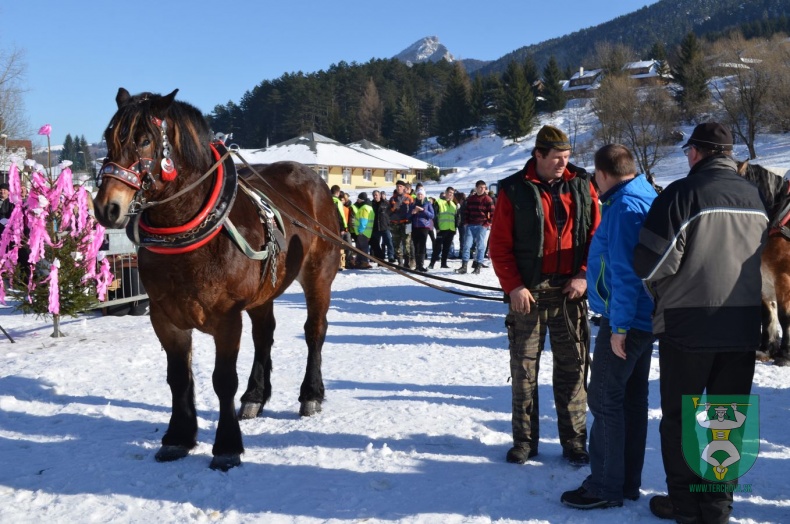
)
(314, 149)
(640, 64)
(581, 73)
(643, 69)
(583, 80)
(388, 155)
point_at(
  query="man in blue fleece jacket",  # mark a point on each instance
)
(618, 389)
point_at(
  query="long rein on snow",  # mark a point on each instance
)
(324, 233)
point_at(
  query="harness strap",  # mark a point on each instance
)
(244, 246)
(779, 223)
(268, 212)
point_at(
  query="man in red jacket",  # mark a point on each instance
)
(545, 217)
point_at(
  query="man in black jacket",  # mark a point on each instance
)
(6, 207)
(699, 253)
(381, 240)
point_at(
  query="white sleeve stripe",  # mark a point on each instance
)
(695, 217)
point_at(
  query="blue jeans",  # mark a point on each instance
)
(478, 235)
(617, 397)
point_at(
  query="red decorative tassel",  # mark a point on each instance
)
(169, 176)
(169, 171)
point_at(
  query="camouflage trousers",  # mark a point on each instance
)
(401, 240)
(527, 336)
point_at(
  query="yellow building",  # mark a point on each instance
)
(356, 166)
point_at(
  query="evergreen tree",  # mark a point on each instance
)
(692, 76)
(67, 153)
(553, 94)
(406, 128)
(532, 75)
(516, 108)
(62, 275)
(659, 53)
(455, 111)
(223, 118)
(83, 156)
(478, 101)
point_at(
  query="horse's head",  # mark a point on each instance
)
(773, 187)
(154, 144)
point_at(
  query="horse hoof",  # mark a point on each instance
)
(250, 410)
(225, 462)
(782, 361)
(310, 408)
(762, 356)
(171, 453)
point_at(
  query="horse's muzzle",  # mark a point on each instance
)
(110, 215)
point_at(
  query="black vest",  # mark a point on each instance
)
(528, 217)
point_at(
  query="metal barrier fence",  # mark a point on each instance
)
(126, 293)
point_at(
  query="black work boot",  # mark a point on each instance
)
(475, 268)
(519, 454)
(462, 270)
(661, 506)
(576, 457)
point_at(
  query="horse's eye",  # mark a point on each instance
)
(146, 143)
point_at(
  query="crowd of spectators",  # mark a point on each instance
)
(414, 230)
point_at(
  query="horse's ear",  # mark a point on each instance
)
(742, 167)
(122, 97)
(161, 104)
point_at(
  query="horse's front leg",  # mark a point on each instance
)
(181, 434)
(228, 445)
(259, 385)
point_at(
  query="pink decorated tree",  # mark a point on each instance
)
(49, 248)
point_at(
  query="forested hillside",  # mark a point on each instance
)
(395, 105)
(665, 22)
(384, 101)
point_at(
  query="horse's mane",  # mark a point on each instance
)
(773, 188)
(188, 131)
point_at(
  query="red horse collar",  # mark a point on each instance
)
(200, 229)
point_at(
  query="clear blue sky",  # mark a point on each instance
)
(78, 53)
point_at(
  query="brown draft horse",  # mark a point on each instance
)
(775, 264)
(209, 287)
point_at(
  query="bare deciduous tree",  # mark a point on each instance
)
(371, 113)
(780, 95)
(743, 91)
(12, 72)
(612, 57)
(641, 117)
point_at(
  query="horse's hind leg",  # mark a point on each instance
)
(317, 294)
(259, 385)
(228, 445)
(181, 434)
(771, 335)
(782, 356)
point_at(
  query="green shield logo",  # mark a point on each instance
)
(721, 435)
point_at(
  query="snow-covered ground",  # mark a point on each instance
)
(414, 429)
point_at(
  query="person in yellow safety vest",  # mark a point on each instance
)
(348, 213)
(446, 212)
(342, 223)
(363, 224)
